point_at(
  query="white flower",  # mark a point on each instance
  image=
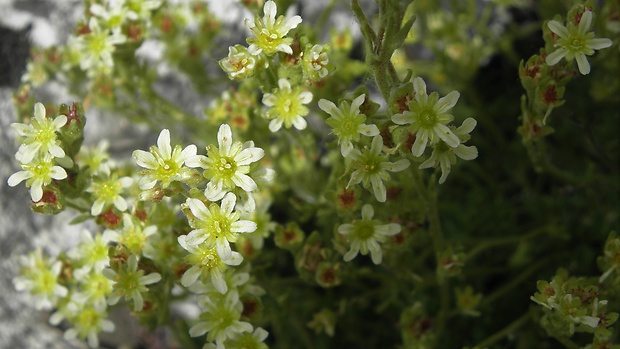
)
(366, 234)
(88, 320)
(216, 226)
(97, 47)
(370, 168)
(39, 276)
(40, 135)
(37, 174)
(227, 166)
(91, 253)
(347, 123)
(239, 64)
(206, 264)
(107, 191)
(287, 106)
(428, 117)
(133, 235)
(163, 164)
(445, 156)
(220, 319)
(314, 62)
(270, 32)
(130, 282)
(575, 42)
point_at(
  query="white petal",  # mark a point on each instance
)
(388, 229)
(351, 254)
(420, 144)
(419, 87)
(97, 207)
(284, 48)
(36, 193)
(18, 177)
(56, 151)
(195, 161)
(376, 254)
(598, 43)
(214, 192)
(218, 281)
(244, 182)
(582, 62)
(368, 130)
(188, 153)
(145, 159)
(195, 237)
(120, 204)
(300, 123)
(305, 97)
(243, 226)
(329, 107)
(467, 126)
(222, 247)
(269, 99)
(275, 125)
(235, 259)
(270, 9)
(224, 138)
(39, 111)
(345, 229)
(58, 173)
(345, 148)
(557, 28)
(447, 135)
(465, 152)
(402, 119)
(59, 121)
(367, 212)
(446, 103)
(249, 155)
(284, 84)
(150, 279)
(290, 23)
(228, 203)
(198, 329)
(585, 22)
(163, 143)
(378, 188)
(355, 105)
(397, 166)
(555, 56)
(198, 208)
(190, 276)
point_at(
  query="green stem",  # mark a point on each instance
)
(504, 332)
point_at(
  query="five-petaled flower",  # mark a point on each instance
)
(240, 63)
(217, 226)
(445, 156)
(427, 116)
(206, 264)
(370, 168)
(575, 42)
(366, 234)
(347, 123)
(130, 282)
(287, 106)
(40, 136)
(97, 47)
(107, 190)
(270, 32)
(220, 318)
(37, 174)
(163, 164)
(39, 276)
(228, 165)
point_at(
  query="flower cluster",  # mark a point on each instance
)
(40, 153)
(575, 42)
